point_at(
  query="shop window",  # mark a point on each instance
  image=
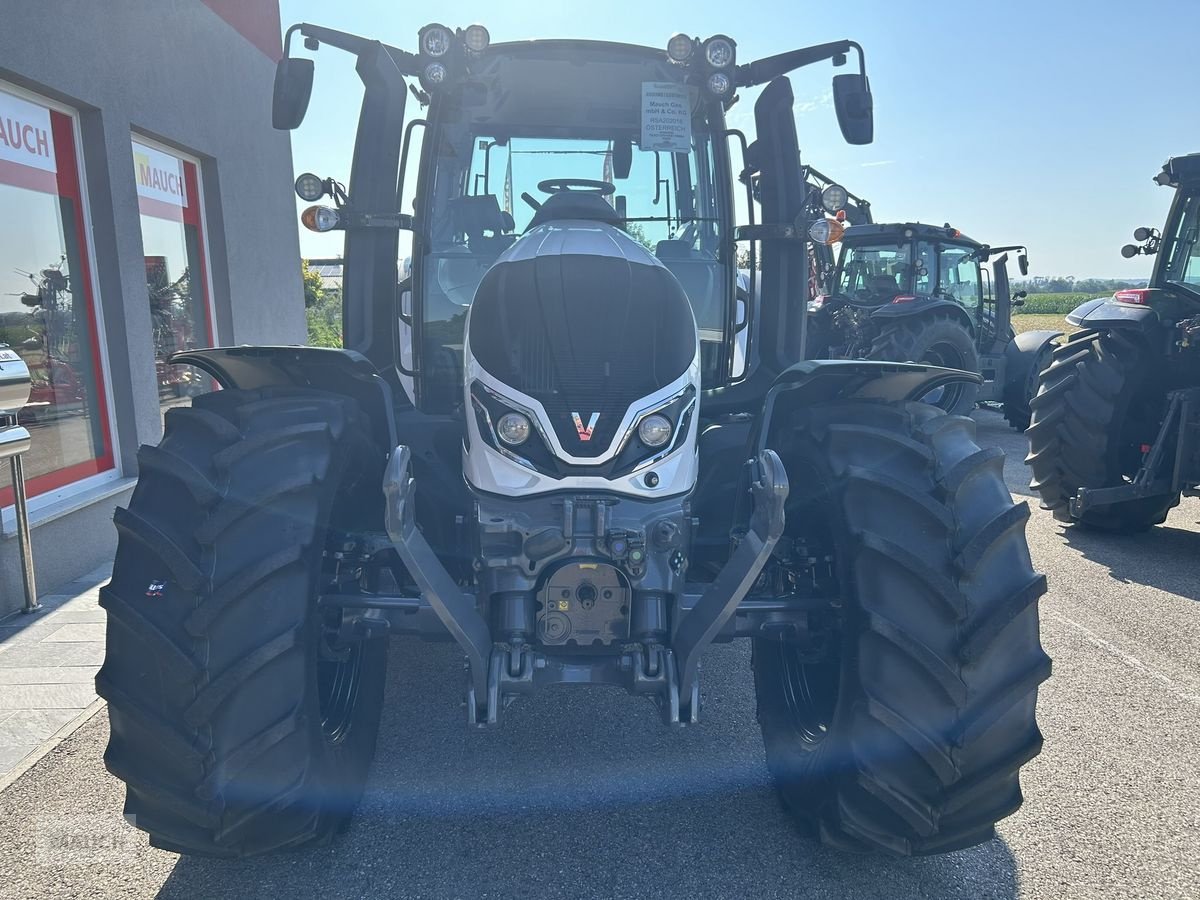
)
(168, 188)
(47, 310)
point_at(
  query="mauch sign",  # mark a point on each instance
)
(25, 136)
(666, 117)
(159, 175)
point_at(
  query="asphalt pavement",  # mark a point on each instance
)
(583, 793)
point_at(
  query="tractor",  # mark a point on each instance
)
(909, 291)
(1115, 437)
(535, 444)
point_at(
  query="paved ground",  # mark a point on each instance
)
(48, 660)
(583, 793)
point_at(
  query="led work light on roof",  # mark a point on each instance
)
(720, 83)
(435, 74)
(435, 40)
(309, 187)
(680, 48)
(477, 38)
(719, 52)
(321, 218)
(834, 198)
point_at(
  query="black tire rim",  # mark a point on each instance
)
(811, 687)
(339, 675)
(948, 357)
(810, 691)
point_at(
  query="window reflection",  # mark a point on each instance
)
(175, 275)
(46, 303)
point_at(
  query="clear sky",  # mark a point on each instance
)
(1035, 121)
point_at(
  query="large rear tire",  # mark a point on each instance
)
(1096, 406)
(937, 339)
(908, 739)
(239, 723)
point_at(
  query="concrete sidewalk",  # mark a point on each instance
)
(48, 660)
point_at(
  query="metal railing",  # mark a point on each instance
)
(14, 442)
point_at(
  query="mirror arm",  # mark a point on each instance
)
(764, 70)
(407, 63)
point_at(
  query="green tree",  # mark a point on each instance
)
(314, 290)
(323, 309)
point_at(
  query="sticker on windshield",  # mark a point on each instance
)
(666, 117)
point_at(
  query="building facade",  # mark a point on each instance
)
(145, 207)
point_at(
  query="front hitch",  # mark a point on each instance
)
(457, 610)
(769, 489)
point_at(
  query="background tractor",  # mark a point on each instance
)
(931, 294)
(539, 445)
(1115, 438)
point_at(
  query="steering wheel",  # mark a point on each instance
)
(585, 185)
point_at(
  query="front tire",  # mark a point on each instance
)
(936, 339)
(1097, 405)
(239, 723)
(908, 739)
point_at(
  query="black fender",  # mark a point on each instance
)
(813, 382)
(890, 312)
(1020, 355)
(337, 371)
(1106, 314)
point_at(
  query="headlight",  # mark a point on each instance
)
(718, 52)
(719, 83)
(679, 48)
(834, 198)
(435, 40)
(655, 430)
(513, 429)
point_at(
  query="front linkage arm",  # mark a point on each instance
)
(769, 488)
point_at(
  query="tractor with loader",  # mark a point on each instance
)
(537, 445)
(1115, 437)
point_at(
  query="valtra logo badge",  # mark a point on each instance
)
(584, 431)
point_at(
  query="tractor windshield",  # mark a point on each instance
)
(485, 171)
(874, 273)
(1183, 247)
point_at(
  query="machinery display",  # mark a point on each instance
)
(538, 443)
(1115, 436)
(925, 293)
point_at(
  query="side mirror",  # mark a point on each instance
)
(293, 87)
(1129, 251)
(1023, 263)
(855, 108)
(1141, 234)
(622, 158)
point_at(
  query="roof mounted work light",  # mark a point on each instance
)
(680, 48)
(719, 52)
(477, 38)
(434, 40)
